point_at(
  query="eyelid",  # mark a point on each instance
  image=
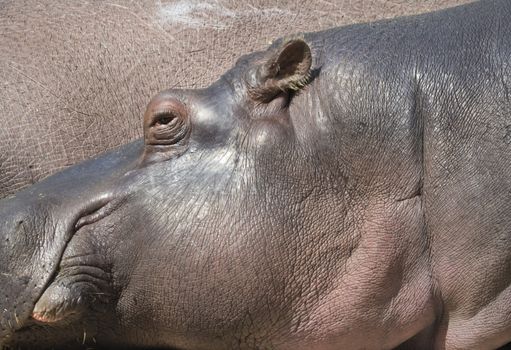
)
(165, 112)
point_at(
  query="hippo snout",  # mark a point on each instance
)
(20, 277)
(33, 238)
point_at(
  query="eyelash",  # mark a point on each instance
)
(164, 114)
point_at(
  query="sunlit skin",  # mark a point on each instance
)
(345, 189)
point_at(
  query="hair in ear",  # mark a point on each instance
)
(287, 69)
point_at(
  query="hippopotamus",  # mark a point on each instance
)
(343, 189)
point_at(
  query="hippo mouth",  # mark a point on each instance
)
(38, 296)
(63, 296)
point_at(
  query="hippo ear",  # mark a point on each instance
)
(288, 69)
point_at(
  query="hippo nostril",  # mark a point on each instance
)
(98, 214)
(20, 225)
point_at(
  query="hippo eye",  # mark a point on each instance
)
(166, 123)
(164, 119)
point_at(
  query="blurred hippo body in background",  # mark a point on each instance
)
(344, 189)
(76, 75)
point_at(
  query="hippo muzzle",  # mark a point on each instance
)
(33, 241)
(36, 227)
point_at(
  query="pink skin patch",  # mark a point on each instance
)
(42, 317)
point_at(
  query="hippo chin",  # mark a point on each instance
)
(345, 189)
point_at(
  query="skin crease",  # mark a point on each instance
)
(367, 210)
(77, 76)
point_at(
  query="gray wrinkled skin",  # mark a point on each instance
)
(75, 76)
(369, 209)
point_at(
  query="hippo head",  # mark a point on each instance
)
(166, 238)
(225, 228)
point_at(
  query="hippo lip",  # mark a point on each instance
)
(90, 215)
(17, 313)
